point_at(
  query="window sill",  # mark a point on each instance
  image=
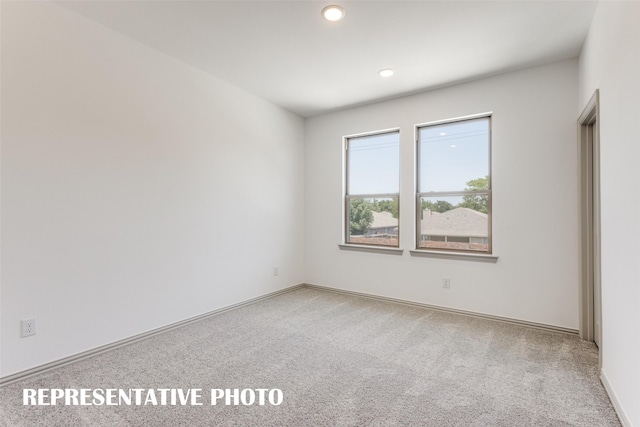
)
(455, 255)
(375, 249)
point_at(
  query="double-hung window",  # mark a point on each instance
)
(453, 203)
(372, 189)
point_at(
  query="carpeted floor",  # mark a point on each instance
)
(340, 361)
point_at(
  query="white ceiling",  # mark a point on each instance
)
(285, 52)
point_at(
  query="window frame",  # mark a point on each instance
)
(347, 196)
(489, 192)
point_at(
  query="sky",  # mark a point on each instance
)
(451, 155)
(374, 164)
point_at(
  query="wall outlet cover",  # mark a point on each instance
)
(28, 327)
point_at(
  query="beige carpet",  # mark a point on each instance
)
(340, 361)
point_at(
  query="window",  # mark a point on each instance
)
(454, 185)
(372, 187)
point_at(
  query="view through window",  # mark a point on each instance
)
(454, 186)
(371, 201)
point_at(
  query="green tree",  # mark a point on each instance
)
(360, 216)
(386, 205)
(437, 206)
(477, 202)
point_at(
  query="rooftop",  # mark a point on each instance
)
(456, 222)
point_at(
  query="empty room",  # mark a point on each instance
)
(306, 213)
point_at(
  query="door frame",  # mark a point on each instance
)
(589, 157)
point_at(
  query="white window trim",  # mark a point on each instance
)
(390, 250)
(452, 253)
(346, 195)
(467, 256)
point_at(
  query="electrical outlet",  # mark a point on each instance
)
(275, 271)
(446, 282)
(28, 327)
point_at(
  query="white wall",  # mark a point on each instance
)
(535, 200)
(610, 61)
(136, 191)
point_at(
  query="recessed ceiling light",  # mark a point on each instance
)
(333, 13)
(387, 72)
(453, 146)
(443, 134)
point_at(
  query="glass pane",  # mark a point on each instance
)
(454, 155)
(454, 223)
(374, 164)
(373, 221)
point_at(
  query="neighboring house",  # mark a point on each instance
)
(460, 225)
(384, 224)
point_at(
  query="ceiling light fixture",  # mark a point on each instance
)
(387, 72)
(333, 13)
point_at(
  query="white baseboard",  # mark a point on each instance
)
(528, 324)
(622, 416)
(9, 379)
(102, 349)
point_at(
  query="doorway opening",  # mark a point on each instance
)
(590, 277)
